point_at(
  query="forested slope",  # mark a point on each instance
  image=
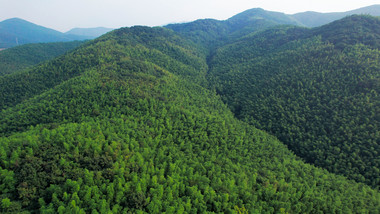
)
(127, 127)
(167, 47)
(21, 57)
(317, 90)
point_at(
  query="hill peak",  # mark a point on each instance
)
(17, 21)
(256, 18)
(259, 13)
(17, 31)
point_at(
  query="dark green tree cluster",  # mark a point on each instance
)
(355, 29)
(21, 57)
(158, 144)
(159, 46)
(316, 90)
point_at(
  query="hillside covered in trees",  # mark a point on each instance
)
(150, 120)
(21, 57)
(316, 90)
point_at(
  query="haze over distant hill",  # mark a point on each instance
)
(89, 32)
(17, 31)
(314, 19)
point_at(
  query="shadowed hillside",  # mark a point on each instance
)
(316, 90)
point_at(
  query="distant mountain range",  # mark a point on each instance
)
(17, 31)
(89, 32)
(256, 19)
(315, 19)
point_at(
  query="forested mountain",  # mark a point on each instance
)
(17, 31)
(315, 19)
(316, 90)
(89, 32)
(20, 57)
(213, 32)
(144, 120)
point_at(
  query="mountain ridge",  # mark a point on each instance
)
(212, 31)
(17, 31)
(10, 38)
(315, 19)
(89, 32)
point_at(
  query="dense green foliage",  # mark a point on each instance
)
(145, 153)
(127, 124)
(353, 30)
(23, 56)
(316, 90)
(207, 32)
(168, 52)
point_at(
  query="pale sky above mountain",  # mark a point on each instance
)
(67, 14)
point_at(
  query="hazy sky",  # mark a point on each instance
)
(63, 15)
